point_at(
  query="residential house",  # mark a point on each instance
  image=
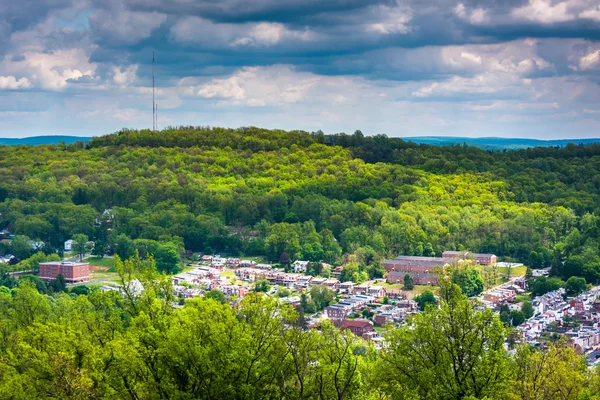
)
(347, 287)
(300, 266)
(304, 282)
(332, 284)
(376, 291)
(318, 281)
(69, 245)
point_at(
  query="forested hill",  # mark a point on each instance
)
(311, 196)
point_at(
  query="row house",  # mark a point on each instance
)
(294, 301)
(347, 287)
(337, 272)
(394, 294)
(584, 339)
(361, 289)
(304, 282)
(194, 276)
(232, 290)
(332, 284)
(339, 311)
(500, 296)
(378, 292)
(246, 264)
(387, 314)
(250, 274)
(264, 266)
(318, 281)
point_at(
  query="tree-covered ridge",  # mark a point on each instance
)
(544, 174)
(308, 199)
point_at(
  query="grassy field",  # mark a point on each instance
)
(418, 289)
(516, 271)
(522, 297)
(100, 262)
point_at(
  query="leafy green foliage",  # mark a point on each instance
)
(448, 353)
(408, 282)
(262, 286)
(216, 295)
(424, 299)
(575, 286)
(527, 309)
(469, 280)
(542, 285)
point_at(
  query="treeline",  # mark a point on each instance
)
(136, 345)
(295, 193)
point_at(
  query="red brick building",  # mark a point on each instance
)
(72, 272)
(416, 264)
(357, 326)
(485, 259)
(481, 259)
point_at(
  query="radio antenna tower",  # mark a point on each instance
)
(156, 116)
(153, 104)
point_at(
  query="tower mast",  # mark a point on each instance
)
(153, 105)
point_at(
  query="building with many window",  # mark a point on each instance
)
(71, 271)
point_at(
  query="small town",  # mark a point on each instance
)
(368, 307)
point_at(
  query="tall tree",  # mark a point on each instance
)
(80, 245)
(448, 353)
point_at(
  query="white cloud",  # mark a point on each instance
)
(593, 13)
(544, 11)
(125, 77)
(485, 83)
(471, 57)
(260, 86)
(269, 34)
(475, 16)
(51, 70)
(589, 61)
(390, 20)
(215, 35)
(549, 11)
(11, 83)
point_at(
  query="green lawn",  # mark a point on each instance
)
(516, 271)
(522, 297)
(100, 262)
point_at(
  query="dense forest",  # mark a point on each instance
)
(346, 199)
(136, 345)
(252, 191)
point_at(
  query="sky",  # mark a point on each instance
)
(510, 68)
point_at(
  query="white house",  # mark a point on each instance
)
(300, 266)
(69, 245)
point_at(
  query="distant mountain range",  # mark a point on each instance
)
(35, 140)
(497, 143)
(486, 143)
